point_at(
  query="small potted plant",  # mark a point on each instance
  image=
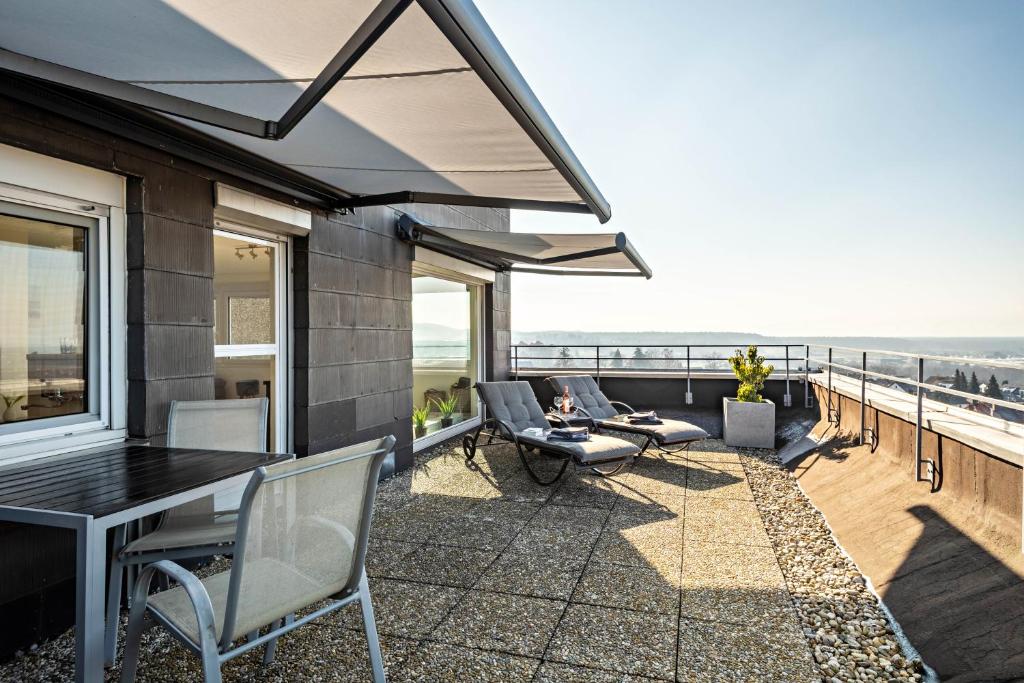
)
(749, 419)
(12, 411)
(419, 421)
(447, 408)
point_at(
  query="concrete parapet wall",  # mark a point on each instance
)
(985, 486)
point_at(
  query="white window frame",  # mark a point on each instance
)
(283, 374)
(472, 278)
(34, 180)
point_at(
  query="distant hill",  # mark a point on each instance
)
(430, 332)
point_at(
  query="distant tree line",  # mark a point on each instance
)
(973, 386)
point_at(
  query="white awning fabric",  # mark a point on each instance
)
(519, 252)
(386, 100)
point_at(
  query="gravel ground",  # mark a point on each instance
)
(841, 618)
(707, 566)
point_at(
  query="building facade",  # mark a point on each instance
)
(191, 301)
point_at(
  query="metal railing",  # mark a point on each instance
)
(597, 361)
(920, 386)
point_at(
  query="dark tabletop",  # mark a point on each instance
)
(104, 481)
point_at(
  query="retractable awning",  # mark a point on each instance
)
(390, 101)
(522, 252)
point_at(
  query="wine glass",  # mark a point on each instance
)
(558, 404)
(569, 403)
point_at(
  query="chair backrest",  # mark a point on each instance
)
(585, 393)
(513, 402)
(302, 532)
(238, 424)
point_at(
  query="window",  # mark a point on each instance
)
(44, 315)
(62, 371)
(249, 325)
(446, 352)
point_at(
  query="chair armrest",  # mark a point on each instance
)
(194, 588)
(627, 408)
(505, 426)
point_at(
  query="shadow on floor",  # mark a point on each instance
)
(961, 607)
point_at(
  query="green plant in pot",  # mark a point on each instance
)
(751, 371)
(749, 419)
(419, 421)
(447, 408)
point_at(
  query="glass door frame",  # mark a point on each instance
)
(283, 373)
(479, 347)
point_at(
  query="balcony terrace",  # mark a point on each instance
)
(709, 565)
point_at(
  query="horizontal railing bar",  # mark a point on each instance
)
(944, 359)
(930, 387)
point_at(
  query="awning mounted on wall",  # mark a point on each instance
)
(390, 101)
(519, 252)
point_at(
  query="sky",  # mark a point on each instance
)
(786, 168)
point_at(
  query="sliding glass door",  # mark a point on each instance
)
(446, 352)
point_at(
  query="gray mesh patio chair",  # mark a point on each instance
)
(512, 407)
(301, 539)
(196, 529)
(671, 436)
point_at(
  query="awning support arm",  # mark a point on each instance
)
(408, 197)
(410, 230)
(127, 92)
(379, 20)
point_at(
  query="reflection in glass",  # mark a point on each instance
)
(42, 319)
(246, 377)
(444, 337)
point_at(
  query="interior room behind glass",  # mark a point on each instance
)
(43, 316)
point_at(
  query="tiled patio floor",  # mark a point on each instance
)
(663, 572)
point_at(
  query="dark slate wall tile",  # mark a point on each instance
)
(171, 351)
(161, 297)
(170, 245)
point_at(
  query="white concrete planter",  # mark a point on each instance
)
(749, 425)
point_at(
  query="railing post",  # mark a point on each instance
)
(918, 436)
(515, 349)
(597, 361)
(830, 386)
(787, 400)
(863, 393)
(689, 392)
(807, 376)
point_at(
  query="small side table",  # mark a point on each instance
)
(573, 419)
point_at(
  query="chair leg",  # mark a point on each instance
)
(136, 624)
(532, 474)
(271, 648)
(117, 571)
(370, 627)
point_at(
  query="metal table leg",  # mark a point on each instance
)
(90, 580)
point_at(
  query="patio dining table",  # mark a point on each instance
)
(95, 490)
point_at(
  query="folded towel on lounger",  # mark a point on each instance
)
(649, 418)
(569, 434)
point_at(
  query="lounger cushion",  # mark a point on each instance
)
(514, 403)
(667, 433)
(600, 448)
(586, 394)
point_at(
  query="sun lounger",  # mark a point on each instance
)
(668, 436)
(514, 416)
